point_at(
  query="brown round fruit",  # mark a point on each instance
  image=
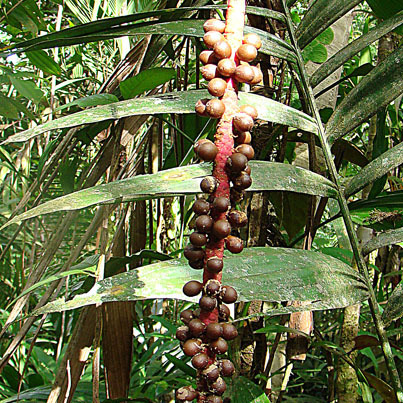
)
(210, 38)
(182, 333)
(186, 393)
(212, 287)
(247, 150)
(186, 316)
(237, 162)
(196, 327)
(214, 264)
(204, 224)
(215, 108)
(252, 39)
(191, 253)
(192, 288)
(209, 71)
(226, 67)
(258, 76)
(207, 151)
(228, 294)
(208, 184)
(214, 399)
(249, 110)
(208, 57)
(211, 373)
(219, 386)
(246, 53)
(191, 347)
(242, 181)
(242, 122)
(227, 368)
(221, 204)
(214, 331)
(207, 303)
(248, 170)
(221, 229)
(244, 138)
(201, 206)
(197, 264)
(197, 239)
(244, 73)
(216, 87)
(200, 107)
(200, 361)
(223, 313)
(237, 218)
(222, 49)
(219, 346)
(214, 25)
(229, 331)
(234, 244)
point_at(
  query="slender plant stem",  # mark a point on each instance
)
(362, 267)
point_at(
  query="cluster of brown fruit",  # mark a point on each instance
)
(216, 218)
(202, 342)
(218, 66)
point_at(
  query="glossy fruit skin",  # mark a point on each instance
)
(216, 87)
(192, 288)
(197, 264)
(186, 316)
(223, 312)
(229, 331)
(237, 162)
(248, 170)
(242, 181)
(234, 244)
(258, 76)
(226, 67)
(209, 71)
(196, 327)
(215, 108)
(214, 399)
(214, 264)
(211, 373)
(201, 207)
(244, 138)
(252, 39)
(182, 333)
(207, 303)
(214, 331)
(247, 150)
(208, 57)
(204, 223)
(249, 110)
(228, 294)
(197, 239)
(242, 122)
(200, 361)
(227, 368)
(210, 38)
(207, 151)
(212, 287)
(221, 204)
(237, 219)
(246, 53)
(186, 393)
(244, 73)
(191, 347)
(208, 184)
(222, 49)
(219, 386)
(214, 25)
(219, 346)
(200, 107)
(191, 253)
(221, 229)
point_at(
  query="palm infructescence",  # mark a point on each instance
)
(98, 129)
